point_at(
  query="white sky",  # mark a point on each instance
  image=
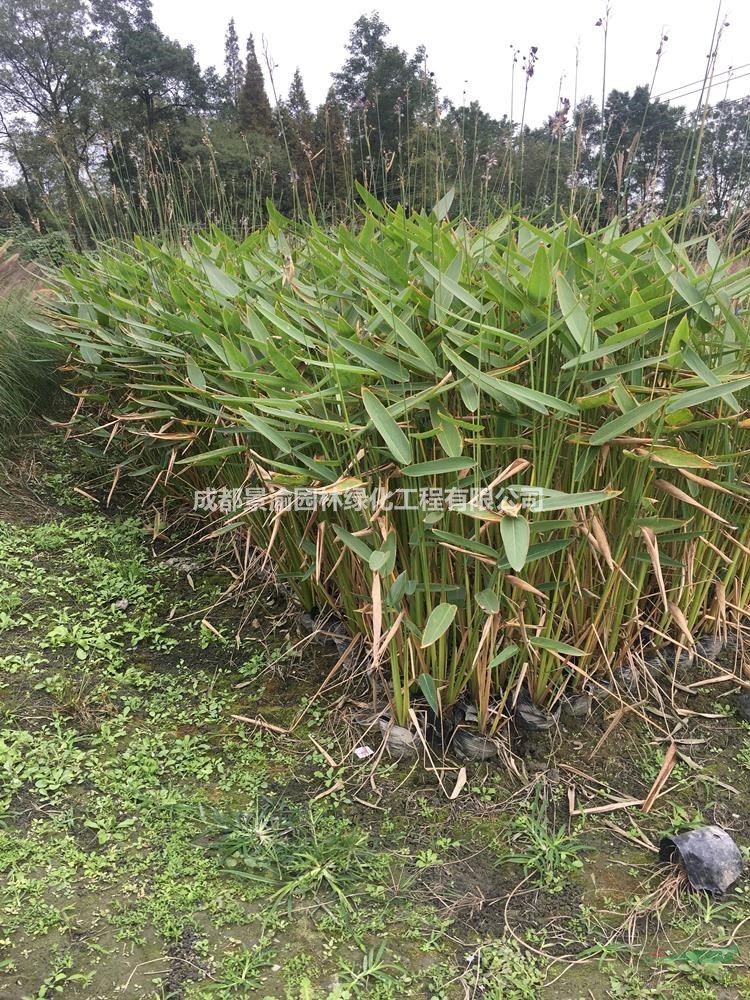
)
(469, 44)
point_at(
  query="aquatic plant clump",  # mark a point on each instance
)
(566, 412)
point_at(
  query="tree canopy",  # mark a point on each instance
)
(103, 116)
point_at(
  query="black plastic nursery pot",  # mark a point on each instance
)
(711, 859)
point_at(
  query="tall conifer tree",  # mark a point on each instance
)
(233, 69)
(255, 112)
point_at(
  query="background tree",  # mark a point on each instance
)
(52, 67)
(233, 69)
(725, 158)
(643, 139)
(156, 80)
(332, 159)
(255, 112)
(105, 120)
(477, 148)
(299, 106)
(297, 123)
(385, 92)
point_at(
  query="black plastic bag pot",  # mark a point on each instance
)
(711, 859)
(530, 717)
(576, 706)
(398, 741)
(474, 746)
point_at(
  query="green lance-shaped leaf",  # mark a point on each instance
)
(443, 206)
(555, 646)
(383, 559)
(220, 280)
(692, 360)
(575, 316)
(90, 355)
(371, 202)
(678, 458)
(362, 549)
(448, 433)
(549, 500)
(214, 457)
(626, 421)
(444, 281)
(539, 282)
(503, 655)
(195, 375)
(488, 601)
(373, 359)
(429, 689)
(697, 397)
(398, 588)
(438, 623)
(515, 534)
(438, 466)
(378, 560)
(679, 338)
(412, 341)
(262, 427)
(501, 389)
(386, 426)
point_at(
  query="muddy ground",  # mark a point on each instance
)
(152, 845)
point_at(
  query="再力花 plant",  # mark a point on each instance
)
(519, 449)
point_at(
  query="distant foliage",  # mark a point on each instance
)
(52, 247)
(113, 128)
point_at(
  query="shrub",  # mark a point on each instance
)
(27, 367)
(53, 247)
(602, 374)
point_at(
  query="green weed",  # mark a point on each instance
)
(549, 855)
(294, 852)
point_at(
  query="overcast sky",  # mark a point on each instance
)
(469, 44)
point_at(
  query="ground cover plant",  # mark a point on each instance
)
(600, 377)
